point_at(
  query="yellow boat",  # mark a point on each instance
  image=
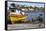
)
(15, 18)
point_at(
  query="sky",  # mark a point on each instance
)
(27, 4)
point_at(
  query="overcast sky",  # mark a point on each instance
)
(27, 4)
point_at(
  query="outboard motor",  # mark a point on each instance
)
(40, 18)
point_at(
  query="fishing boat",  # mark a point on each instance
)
(17, 16)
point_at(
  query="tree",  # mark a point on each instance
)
(36, 8)
(31, 7)
(42, 8)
